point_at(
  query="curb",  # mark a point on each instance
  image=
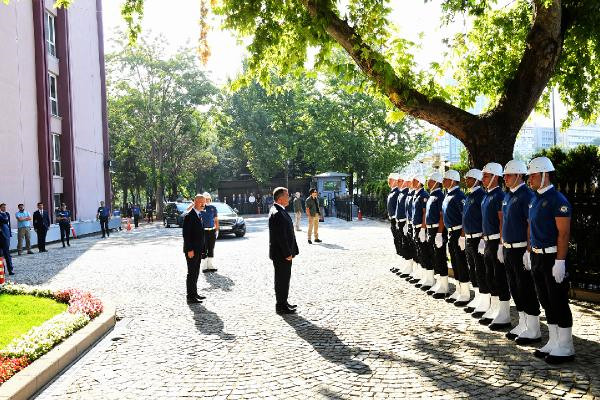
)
(36, 375)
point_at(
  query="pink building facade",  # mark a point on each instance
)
(53, 126)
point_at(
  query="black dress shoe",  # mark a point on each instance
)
(450, 300)
(485, 321)
(318, 240)
(540, 354)
(469, 309)
(394, 270)
(439, 295)
(550, 359)
(286, 310)
(526, 341)
(461, 303)
(511, 336)
(292, 305)
(200, 297)
(499, 327)
(309, 241)
(11, 273)
(194, 301)
(425, 288)
(478, 314)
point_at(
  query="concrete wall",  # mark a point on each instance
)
(87, 107)
(18, 108)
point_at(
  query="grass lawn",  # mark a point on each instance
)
(20, 313)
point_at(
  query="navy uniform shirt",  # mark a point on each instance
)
(453, 207)
(208, 216)
(471, 220)
(491, 205)
(515, 211)
(543, 210)
(408, 205)
(64, 214)
(419, 202)
(433, 208)
(392, 201)
(401, 205)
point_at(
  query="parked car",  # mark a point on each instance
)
(229, 221)
(173, 214)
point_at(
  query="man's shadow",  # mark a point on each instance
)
(217, 281)
(328, 344)
(208, 322)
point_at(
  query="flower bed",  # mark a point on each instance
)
(23, 350)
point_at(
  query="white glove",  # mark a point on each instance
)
(461, 242)
(405, 229)
(397, 224)
(422, 236)
(500, 253)
(527, 260)
(481, 246)
(558, 270)
(439, 241)
(216, 234)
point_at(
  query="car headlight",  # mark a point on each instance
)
(239, 221)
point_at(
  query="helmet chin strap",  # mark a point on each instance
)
(490, 183)
(543, 179)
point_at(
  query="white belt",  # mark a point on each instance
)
(410, 223)
(492, 237)
(547, 250)
(455, 228)
(515, 245)
(473, 235)
(401, 220)
(209, 229)
(433, 225)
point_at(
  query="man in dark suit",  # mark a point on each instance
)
(194, 247)
(41, 223)
(282, 249)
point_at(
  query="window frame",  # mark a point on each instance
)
(56, 158)
(50, 26)
(53, 99)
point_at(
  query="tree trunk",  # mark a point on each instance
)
(160, 191)
(350, 183)
(125, 190)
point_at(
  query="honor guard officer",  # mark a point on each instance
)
(405, 269)
(411, 247)
(419, 202)
(515, 212)
(473, 235)
(392, 201)
(453, 209)
(436, 234)
(497, 316)
(549, 227)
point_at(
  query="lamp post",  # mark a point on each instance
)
(287, 172)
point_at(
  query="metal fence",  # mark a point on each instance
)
(343, 208)
(371, 206)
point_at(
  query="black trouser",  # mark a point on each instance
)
(520, 282)
(402, 239)
(424, 255)
(283, 272)
(5, 252)
(41, 238)
(104, 227)
(458, 259)
(65, 232)
(395, 235)
(554, 297)
(494, 271)
(409, 244)
(136, 220)
(440, 264)
(191, 281)
(211, 237)
(476, 265)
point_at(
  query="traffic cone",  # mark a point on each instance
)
(73, 232)
(128, 224)
(1, 270)
(359, 214)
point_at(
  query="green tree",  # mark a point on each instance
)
(580, 165)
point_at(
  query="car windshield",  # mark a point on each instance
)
(222, 208)
(182, 207)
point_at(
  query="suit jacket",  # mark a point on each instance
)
(5, 220)
(282, 240)
(193, 233)
(39, 221)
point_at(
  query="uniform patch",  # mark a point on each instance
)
(564, 209)
(530, 205)
(544, 203)
(464, 201)
(504, 203)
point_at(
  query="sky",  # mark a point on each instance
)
(179, 25)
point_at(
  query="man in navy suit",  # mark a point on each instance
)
(41, 224)
(194, 247)
(282, 249)
(5, 235)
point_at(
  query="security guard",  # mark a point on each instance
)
(392, 201)
(405, 268)
(472, 238)
(437, 237)
(453, 210)
(63, 216)
(549, 227)
(515, 212)
(411, 247)
(498, 315)
(419, 202)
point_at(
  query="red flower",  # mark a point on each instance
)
(10, 366)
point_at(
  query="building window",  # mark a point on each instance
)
(56, 166)
(53, 94)
(51, 33)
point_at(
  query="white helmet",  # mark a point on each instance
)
(540, 164)
(493, 168)
(393, 176)
(515, 167)
(475, 174)
(436, 177)
(452, 175)
(420, 178)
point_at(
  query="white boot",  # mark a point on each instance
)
(429, 280)
(415, 270)
(491, 312)
(206, 265)
(455, 294)
(502, 318)
(442, 290)
(473, 303)
(210, 264)
(464, 294)
(520, 328)
(408, 267)
(551, 344)
(436, 286)
(532, 332)
(484, 304)
(564, 350)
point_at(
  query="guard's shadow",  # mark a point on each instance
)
(333, 246)
(328, 344)
(217, 281)
(208, 322)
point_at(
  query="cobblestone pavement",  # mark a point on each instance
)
(360, 331)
